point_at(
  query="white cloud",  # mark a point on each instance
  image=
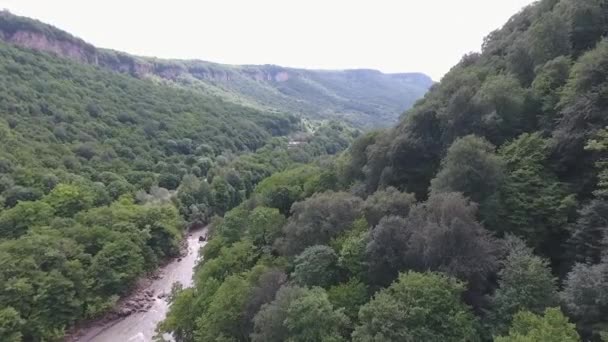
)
(391, 35)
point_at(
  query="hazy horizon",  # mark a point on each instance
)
(383, 35)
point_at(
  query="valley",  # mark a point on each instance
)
(336, 205)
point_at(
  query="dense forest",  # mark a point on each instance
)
(101, 173)
(482, 216)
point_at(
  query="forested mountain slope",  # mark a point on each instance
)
(98, 171)
(481, 216)
(365, 98)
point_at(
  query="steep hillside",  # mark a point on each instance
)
(366, 98)
(481, 216)
(90, 165)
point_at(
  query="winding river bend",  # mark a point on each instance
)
(139, 327)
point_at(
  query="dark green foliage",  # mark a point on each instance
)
(317, 220)
(585, 297)
(590, 233)
(525, 283)
(439, 235)
(472, 168)
(516, 131)
(316, 266)
(387, 202)
(269, 322)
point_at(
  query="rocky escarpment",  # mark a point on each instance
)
(32, 34)
(363, 97)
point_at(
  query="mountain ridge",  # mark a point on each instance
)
(364, 97)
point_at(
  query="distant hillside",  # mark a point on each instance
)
(366, 98)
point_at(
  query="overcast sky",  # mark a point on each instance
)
(428, 36)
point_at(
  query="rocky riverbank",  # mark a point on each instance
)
(134, 317)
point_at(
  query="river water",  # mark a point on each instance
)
(140, 326)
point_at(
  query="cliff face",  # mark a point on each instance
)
(367, 98)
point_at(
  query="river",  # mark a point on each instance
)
(139, 327)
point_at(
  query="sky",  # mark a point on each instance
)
(427, 36)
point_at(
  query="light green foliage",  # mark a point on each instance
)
(265, 226)
(10, 325)
(417, 307)
(350, 296)
(533, 203)
(352, 253)
(311, 317)
(117, 266)
(552, 326)
(67, 200)
(186, 306)
(588, 73)
(600, 144)
(233, 259)
(222, 319)
(549, 81)
(234, 225)
(282, 189)
(16, 221)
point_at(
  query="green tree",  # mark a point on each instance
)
(303, 321)
(269, 321)
(548, 83)
(552, 326)
(318, 219)
(316, 266)
(585, 296)
(117, 266)
(234, 224)
(389, 201)
(525, 283)
(533, 203)
(600, 144)
(350, 296)
(589, 238)
(67, 199)
(265, 226)
(472, 168)
(222, 320)
(10, 325)
(16, 221)
(441, 234)
(501, 99)
(352, 257)
(417, 307)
